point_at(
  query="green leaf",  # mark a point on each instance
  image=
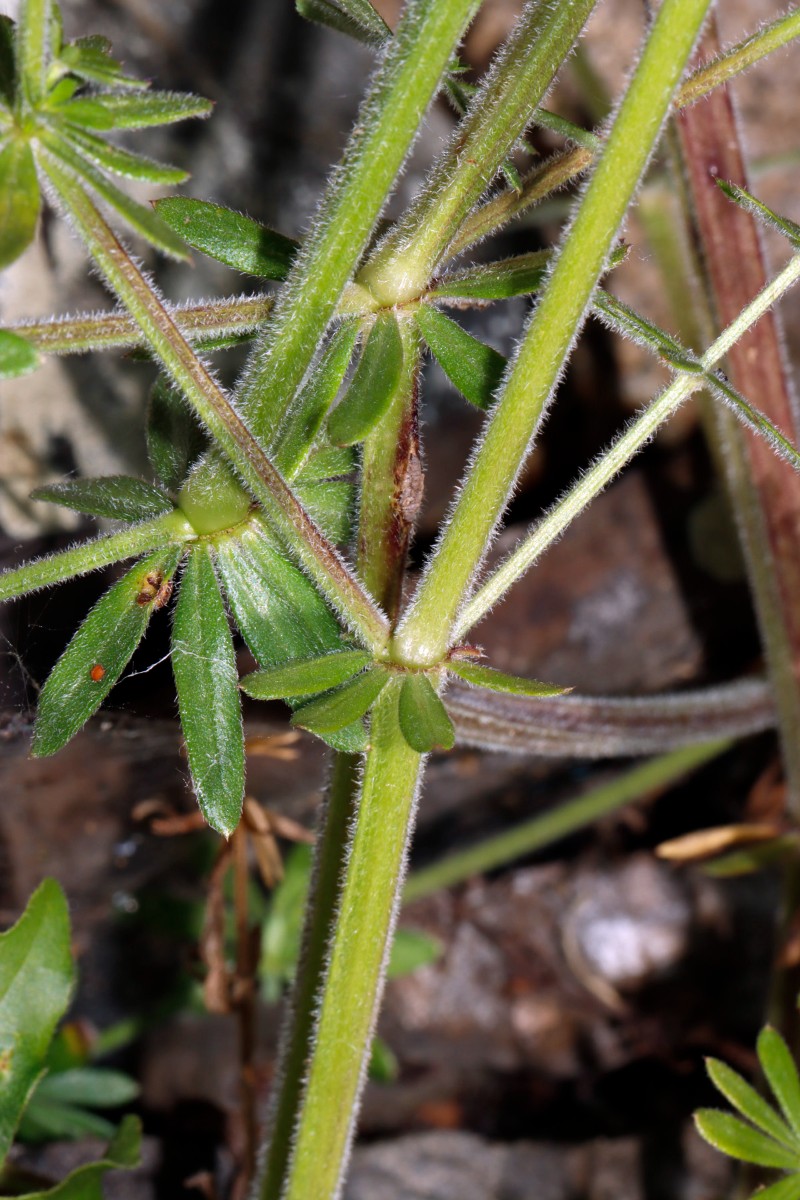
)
(94, 1087)
(123, 162)
(383, 1064)
(497, 281)
(472, 367)
(282, 929)
(140, 218)
(279, 612)
(228, 236)
(738, 1140)
(8, 74)
(306, 677)
(50, 1120)
(314, 401)
(120, 497)
(327, 464)
(99, 651)
(412, 949)
(86, 1183)
(204, 665)
(20, 200)
(373, 384)
(752, 417)
(423, 718)
(784, 1189)
(330, 504)
(746, 1099)
(90, 60)
(36, 981)
(738, 195)
(343, 706)
(87, 113)
(633, 325)
(153, 108)
(17, 357)
(175, 440)
(351, 739)
(498, 681)
(355, 18)
(781, 1072)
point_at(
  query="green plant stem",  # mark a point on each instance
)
(359, 952)
(405, 82)
(33, 36)
(568, 818)
(638, 433)
(425, 634)
(170, 529)
(739, 58)
(524, 70)
(320, 921)
(391, 483)
(117, 331)
(280, 506)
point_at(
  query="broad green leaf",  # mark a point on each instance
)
(282, 928)
(314, 401)
(20, 200)
(343, 706)
(228, 236)
(204, 665)
(153, 108)
(306, 677)
(350, 739)
(738, 1140)
(86, 1183)
(496, 281)
(100, 650)
(51, 1120)
(279, 612)
(140, 218)
(36, 981)
(356, 18)
(472, 367)
(175, 440)
(7, 68)
(94, 1087)
(738, 195)
(327, 464)
(17, 357)
(330, 504)
(123, 162)
(781, 1072)
(423, 718)
(412, 949)
(383, 1064)
(746, 1099)
(373, 385)
(498, 681)
(120, 497)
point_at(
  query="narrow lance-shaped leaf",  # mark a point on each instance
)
(86, 1183)
(228, 236)
(153, 108)
(355, 18)
(17, 356)
(204, 665)
(738, 1092)
(738, 1140)
(95, 1087)
(19, 200)
(423, 718)
(306, 677)
(738, 195)
(125, 163)
(91, 61)
(344, 706)
(498, 681)
(49, 1120)
(174, 438)
(781, 1072)
(495, 281)
(372, 386)
(752, 417)
(471, 366)
(100, 650)
(36, 980)
(119, 497)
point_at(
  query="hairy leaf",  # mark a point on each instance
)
(423, 718)
(174, 438)
(36, 981)
(738, 1140)
(781, 1072)
(750, 1104)
(153, 108)
(327, 464)
(372, 387)
(498, 681)
(314, 401)
(228, 236)
(17, 356)
(471, 366)
(738, 195)
(123, 162)
(100, 650)
(330, 504)
(204, 665)
(20, 200)
(496, 281)
(306, 677)
(356, 18)
(344, 706)
(120, 497)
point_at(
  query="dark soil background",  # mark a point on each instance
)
(556, 1048)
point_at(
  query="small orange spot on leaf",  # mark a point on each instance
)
(97, 672)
